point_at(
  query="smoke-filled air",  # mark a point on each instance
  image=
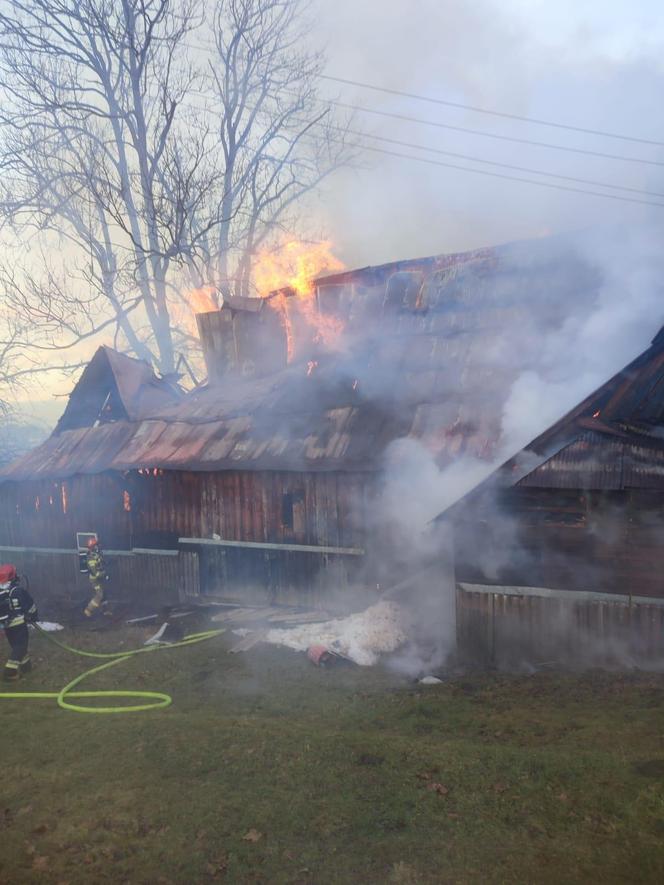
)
(332, 441)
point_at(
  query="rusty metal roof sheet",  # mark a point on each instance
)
(117, 386)
(600, 461)
(424, 369)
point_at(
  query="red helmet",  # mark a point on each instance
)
(93, 542)
(7, 574)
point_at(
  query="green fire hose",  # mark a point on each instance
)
(156, 699)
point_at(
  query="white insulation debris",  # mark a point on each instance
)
(362, 637)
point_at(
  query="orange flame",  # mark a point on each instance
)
(295, 265)
(202, 300)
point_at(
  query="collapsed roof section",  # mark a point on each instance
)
(429, 350)
(115, 387)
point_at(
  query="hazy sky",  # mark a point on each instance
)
(585, 63)
(593, 64)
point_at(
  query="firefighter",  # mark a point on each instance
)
(17, 610)
(97, 575)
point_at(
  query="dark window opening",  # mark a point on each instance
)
(289, 506)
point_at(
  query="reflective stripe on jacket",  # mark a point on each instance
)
(96, 566)
(16, 606)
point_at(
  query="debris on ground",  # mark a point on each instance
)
(361, 637)
(269, 615)
(154, 617)
(430, 680)
(166, 634)
(49, 626)
(324, 657)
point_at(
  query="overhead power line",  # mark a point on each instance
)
(460, 156)
(492, 113)
(530, 171)
(549, 184)
(473, 159)
(484, 134)
(480, 132)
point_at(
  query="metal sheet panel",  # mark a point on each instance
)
(597, 461)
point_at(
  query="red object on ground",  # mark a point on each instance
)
(7, 573)
(319, 655)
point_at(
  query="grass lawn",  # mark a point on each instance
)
(267, 769)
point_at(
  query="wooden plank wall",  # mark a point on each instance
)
(152, 509)
(144, 579)
(508, 629)
(609, 542)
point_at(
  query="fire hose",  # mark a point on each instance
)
(157, 699)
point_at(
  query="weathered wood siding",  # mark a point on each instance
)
(153, 509)
(608, 542)
(526, 626)
(145, 579)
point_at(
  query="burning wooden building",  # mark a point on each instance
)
(264, 480)
(559, 553)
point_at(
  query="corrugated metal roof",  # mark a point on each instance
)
(601, 461)
(423, 368)
(115, 386)
(345, 438)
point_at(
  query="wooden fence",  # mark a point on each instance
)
(147, 577)
(521, 626)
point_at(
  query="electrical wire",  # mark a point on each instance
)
(467, 107)
(481, 132)
(539, 121)
(560, 187)
(474, 159)
(436, 124)
(529, 170)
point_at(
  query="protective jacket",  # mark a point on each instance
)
(16, 606)
(98, 577)
(96, 568)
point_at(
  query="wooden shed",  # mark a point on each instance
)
(561, 550)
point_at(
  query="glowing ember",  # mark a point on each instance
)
(295, 266)
(202, 300)
(596, 415)
(126, 501)
(311, 365)
(65, 501)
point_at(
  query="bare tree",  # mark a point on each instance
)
(132, 160)
(278, 140)
(97, 159)
(20, 369)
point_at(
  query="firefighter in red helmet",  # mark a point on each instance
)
(97, 575)
(17, 610)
